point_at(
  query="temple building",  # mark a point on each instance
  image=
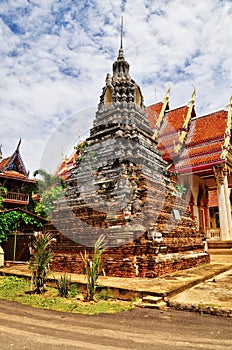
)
(198, 151)
(15, 179)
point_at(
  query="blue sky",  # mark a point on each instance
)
(54, 56)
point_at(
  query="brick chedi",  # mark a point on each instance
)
(121, 188)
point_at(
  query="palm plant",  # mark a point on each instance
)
(51, 189)
(48, 180)
(92, 268)
(39, 262)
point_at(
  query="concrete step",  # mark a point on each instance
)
(151, 302)
(159, 306)
(151, 299)
(220, 244)
(217, 251)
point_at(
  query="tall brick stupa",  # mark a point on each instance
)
(121, 188)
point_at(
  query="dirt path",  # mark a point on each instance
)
(22, 327)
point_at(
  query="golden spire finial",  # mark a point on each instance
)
(194, 93)
(168, 90)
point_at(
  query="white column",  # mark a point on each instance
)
(228, 207)
(219, 173)
(222, 213)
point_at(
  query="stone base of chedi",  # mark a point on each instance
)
(121, 189)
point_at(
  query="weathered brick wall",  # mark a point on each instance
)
(141, 258)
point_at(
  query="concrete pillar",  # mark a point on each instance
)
(219, 173)
(222, 213)
(228, 206)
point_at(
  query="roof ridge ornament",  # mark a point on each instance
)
(20, 140)
(227, 136)
(162, 113)
(184, 131)
(194, 93)
(168, 91)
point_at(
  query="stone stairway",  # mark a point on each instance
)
(152, 302)
(220, 248)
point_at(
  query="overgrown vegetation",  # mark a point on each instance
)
(11, 221)
(46, 180)
(92, 267)
(47, 202)
(3, 191)
(39, 262)
(51, 190)
(63, 285)
(16, 289)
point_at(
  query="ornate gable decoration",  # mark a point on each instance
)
(14, 163)
(227, 145)
(183, 132)
(164, 108)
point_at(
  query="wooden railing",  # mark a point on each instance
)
(15, 197)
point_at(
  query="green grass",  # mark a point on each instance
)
(16, 289)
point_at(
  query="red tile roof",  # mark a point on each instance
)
(14, 175)
(64, 169)
(4, 162)
(168, 135)
(204, 141)
(153, 112)
(173, 120)
(208, 127)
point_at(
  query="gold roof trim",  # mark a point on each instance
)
(226, 146)
(162, 112)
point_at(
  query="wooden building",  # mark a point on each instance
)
(15, 178)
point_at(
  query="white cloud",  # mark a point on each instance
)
(54, 57)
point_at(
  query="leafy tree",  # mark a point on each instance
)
(4, 228)
(47, 180)
(3, 191)
(51, 189)
(30, 189)
(47, 203)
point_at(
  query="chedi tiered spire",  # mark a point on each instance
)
(121, 189)
(120, 87)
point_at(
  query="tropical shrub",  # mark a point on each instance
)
(92, 267)
(39, 261)
(63, 285)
